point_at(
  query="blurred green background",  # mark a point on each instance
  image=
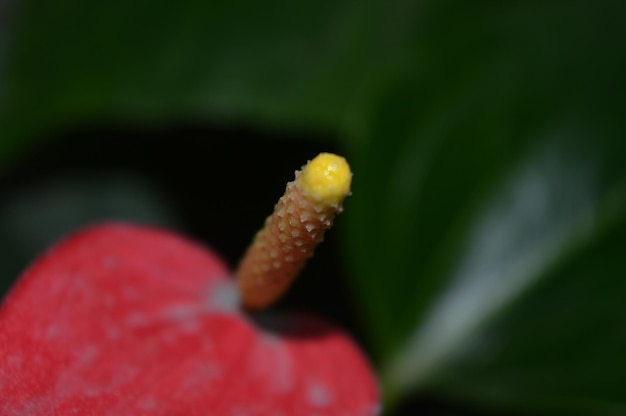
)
(481, 259)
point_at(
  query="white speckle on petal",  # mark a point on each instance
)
(113, 333)
(110, 262)
(225, 296)
(319, 395)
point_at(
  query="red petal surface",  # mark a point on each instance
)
(125, 320)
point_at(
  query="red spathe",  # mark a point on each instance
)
(126, 320)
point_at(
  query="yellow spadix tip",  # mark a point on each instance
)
(326, 179)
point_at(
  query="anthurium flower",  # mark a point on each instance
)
(121, 319)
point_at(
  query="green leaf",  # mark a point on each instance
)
(239, 61)
(560, 345)
(485, 169)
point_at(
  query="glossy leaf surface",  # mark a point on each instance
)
(489, 189)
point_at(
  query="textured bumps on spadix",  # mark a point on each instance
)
(297, 225)
(126, 320)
